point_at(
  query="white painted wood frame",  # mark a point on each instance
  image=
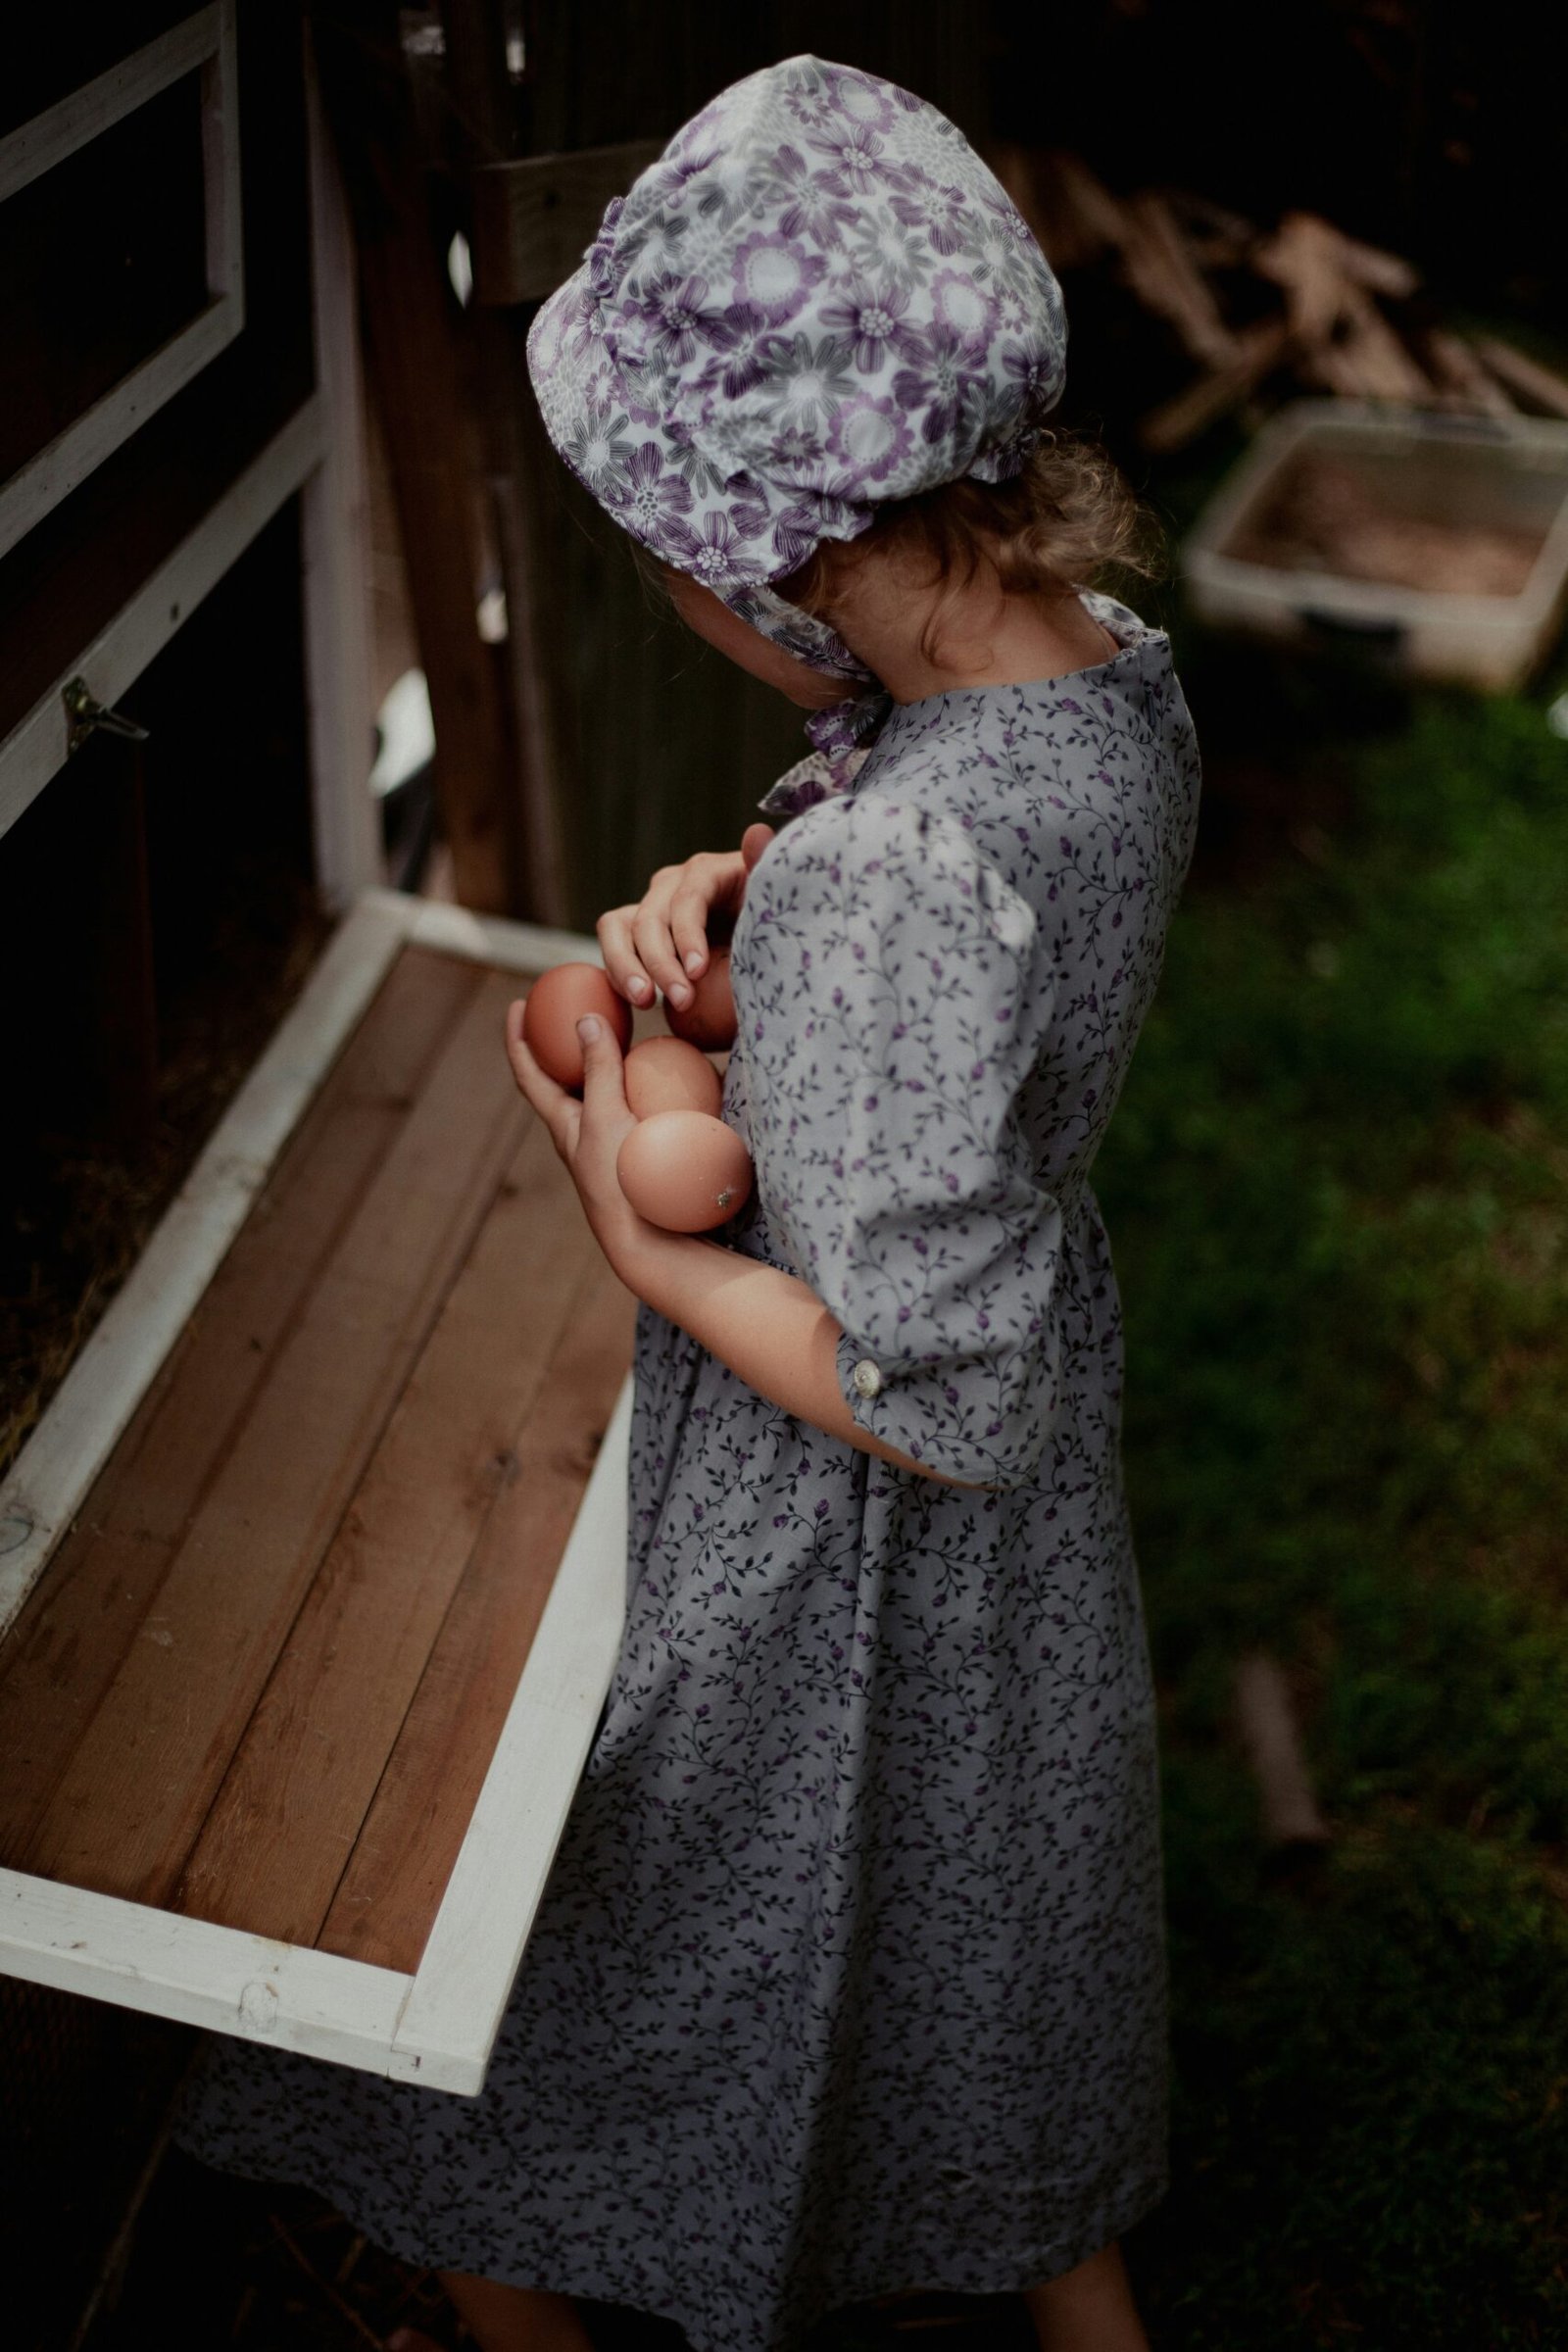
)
(437, 2026)
(38, 745)
(319, 454)
(204, 43)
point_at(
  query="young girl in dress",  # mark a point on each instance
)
(849, 1978)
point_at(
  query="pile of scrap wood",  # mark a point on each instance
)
(1302, 303)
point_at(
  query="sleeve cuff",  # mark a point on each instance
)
(894, 1405)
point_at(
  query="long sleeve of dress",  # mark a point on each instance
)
(884, 1125)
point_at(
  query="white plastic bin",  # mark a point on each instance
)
(1436, 540)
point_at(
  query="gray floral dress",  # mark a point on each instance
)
(850, 1974)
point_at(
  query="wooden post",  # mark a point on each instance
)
(413, 364)
(516, 460)
(334, 523)
(1266, 1721)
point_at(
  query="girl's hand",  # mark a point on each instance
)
(663, 941)
(588, 1133)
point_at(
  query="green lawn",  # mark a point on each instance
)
(1337, 1188)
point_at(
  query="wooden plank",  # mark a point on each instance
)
(1387, 274)
(534, 215)
(536, 657)
(1464, 383)
(206, 40)
(273, 1849)
(480, 1932)
(335, 530)
(202, 1976)
(1266, 1721)
(533, 661)
(409, 1843)
(138, 1787)
(142, 1323)
(37, 747)
(220, 175)
(67, 1647)
(1166, 280)
(87, 112)
(1365, 359)
(430, 436)
(470, 1962)
(1542, 386)
(66, 462)
(1305, 257)
(1175, 421)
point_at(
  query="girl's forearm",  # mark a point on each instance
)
(769, 1327)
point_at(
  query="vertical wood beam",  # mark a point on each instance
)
(335, 530)
(517, 458)
(413, 361)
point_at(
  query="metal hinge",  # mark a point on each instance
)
(85, 717)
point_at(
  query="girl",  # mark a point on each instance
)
(849, 1979)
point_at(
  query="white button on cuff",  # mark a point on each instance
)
(867, 1378)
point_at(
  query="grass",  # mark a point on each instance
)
(1336, 1191)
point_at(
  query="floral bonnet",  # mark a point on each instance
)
(816, 299)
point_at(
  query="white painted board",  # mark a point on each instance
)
(204, 42)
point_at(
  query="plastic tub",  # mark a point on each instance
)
(1434, 541)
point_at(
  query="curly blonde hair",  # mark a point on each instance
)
(1054, 528)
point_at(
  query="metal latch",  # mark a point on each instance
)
(85, 717)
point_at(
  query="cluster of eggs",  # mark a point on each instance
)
(680, 1166)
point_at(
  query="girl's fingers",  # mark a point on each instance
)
(688, 926)
(560, 1111)
(663, 941)
(656, 952)
(714, 879)
(620, 956)
(604, 1086)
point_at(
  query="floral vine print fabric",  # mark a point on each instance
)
(819, 298)
(849, 1977)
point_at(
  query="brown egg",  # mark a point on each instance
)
(664, 1073)
(708, 1020)
(552, 1010)
(684, 1170)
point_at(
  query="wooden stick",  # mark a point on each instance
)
(1382, 272)
(1163, 273)
(1267, 1725)
(1177, 420)
(1462, 379)
(1542, 386)
(1368, 361)
(1303, 256)
(1215, 221)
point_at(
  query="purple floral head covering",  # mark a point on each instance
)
(819, 298)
